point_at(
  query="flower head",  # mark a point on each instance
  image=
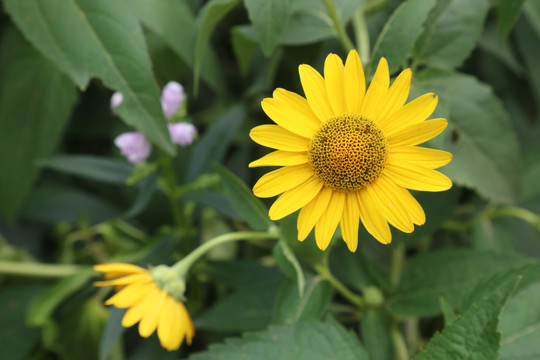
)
(134, 146)
(172, 97)
(116, 99)
(347, 154)
(153, 299)
(182, 133)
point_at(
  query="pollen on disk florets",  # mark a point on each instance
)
(348, 152)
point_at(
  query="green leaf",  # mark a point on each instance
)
(479, 161)
(473, 335)
(207, 19)
(376, 334)
(269, 19)
(397, 38)
(16, 338)
(449, 314)
(42, 306)
(292, 307)
(452, 30)
(212, 145)
(244, 202)
(35, 103)
(528, 44)
(111, 333)
(98, 39)
(508, 12)
(302, 341)
(174, 22)
(451, 274)
(520, 325)
(248, 308)
(244, 43)
(306, 250)
(91, 167)
(532, 11)
(288, 262)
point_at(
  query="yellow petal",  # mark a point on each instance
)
(294, 199)
(313, 85)
(150, 319)
(119, 268)
(281, 158)
(376, 92)
(416, 177)
(168, 330)
(417, 133)
(429, 158)
(187, 324)
(393, 210)
(326, 226)
(137, 311)
(276, 137)
(280, 180)
(397, 94)
(354, 82)
(129, 295)
(125, 280)
(311, 213)
(350, 221)
(416, 213)
(372, 218)
(414, 112)
(289, 117)
(333, 80)
(298, 107)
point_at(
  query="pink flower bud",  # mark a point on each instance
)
(134, 146)
(116, 99)
(172, 97)
(182, 133)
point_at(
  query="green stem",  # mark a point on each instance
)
(325, 273)
(342, 34)
(183, 265)
(517, 212)
(361, 34)
(399, 343)
(37, 270)
(171, 183)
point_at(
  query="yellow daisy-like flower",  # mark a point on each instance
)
(348, 154)
(153, 306)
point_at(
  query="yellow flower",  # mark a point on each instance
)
(348, 154)
(149, 304)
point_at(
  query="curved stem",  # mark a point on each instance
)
(520, 213)
(340, 29)
(183, 265)
(325, 273)
(361, 35)
(399, 343)
(37, 270)
(171, 184)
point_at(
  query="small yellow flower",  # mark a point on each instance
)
(153, 306)
(348, 154)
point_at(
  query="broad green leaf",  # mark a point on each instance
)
(174, 22)
(292, 307)
(532, 11)
(55, 203)
(248, 308)
(310, 340)
(35, 103)
(508, 12)
(451, 274)
(452, 29)
(111, 333)
(244, 43)
(244, 202)
(269, 19)
(214, 142)
(503, 52)
(17, 339)
(98, 39)
(42, 306)
(399, 34)
(447, 310)
(531, 174)
(375, 326)
(528, 44)
(207, 19)
(478, 124)
(474, 335)
(520, 325)
(288, 262)
(91, 167)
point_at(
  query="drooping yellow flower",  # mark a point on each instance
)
(348, 154)
(153, 306)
